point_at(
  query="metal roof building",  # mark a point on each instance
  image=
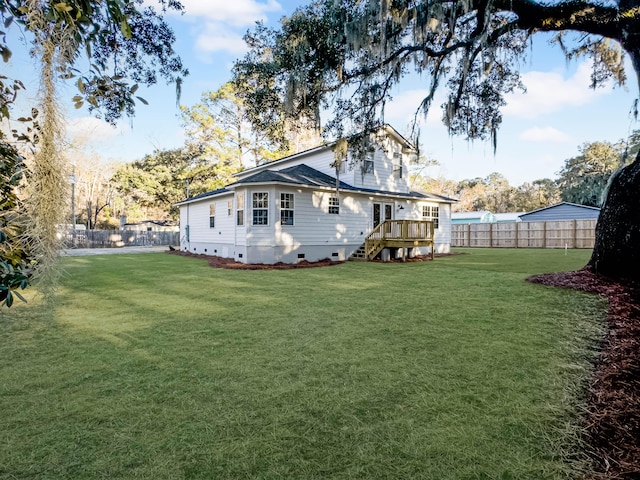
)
(562, 211)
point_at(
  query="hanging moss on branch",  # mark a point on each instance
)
(47, 186)
(127, 43)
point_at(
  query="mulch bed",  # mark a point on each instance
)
(231, 264)
(612, 420)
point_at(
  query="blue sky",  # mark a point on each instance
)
(540, 129)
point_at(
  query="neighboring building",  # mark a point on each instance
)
(151, 226)
(483, 216)
(562, 211)
(289, 210)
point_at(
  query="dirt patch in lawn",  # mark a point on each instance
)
(612, 421)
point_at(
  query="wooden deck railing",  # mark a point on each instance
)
(399, 234)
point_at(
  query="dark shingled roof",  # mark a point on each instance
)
(205, 195)
(296, 175)
(310, 177)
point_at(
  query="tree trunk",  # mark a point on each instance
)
(617, 245)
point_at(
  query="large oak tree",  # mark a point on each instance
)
(347, 55)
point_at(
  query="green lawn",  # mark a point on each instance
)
(159, 367)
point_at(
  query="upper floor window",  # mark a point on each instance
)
(367, 165)
(432, 214)
(286, 208)
(261, 208)
(212, 215)
(397, 165)
(240, 209)
(334, 205)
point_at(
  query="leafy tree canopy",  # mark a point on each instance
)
(126, 43)
(347, 55)
(583, 179)
(160, 180)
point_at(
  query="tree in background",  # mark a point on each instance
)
(583, 179)
(218, 129)
(126, 43)
(93, 191)
(350, 56)
(159, 180)
(537, 194)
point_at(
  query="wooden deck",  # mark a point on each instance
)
(399, 234)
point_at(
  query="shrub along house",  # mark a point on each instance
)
(295, 208)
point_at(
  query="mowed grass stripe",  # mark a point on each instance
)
(158, 366)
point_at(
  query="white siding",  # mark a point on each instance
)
(201, 237)
(382, 177)
(315, 234)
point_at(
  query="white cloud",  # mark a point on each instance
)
(220, 24)
(544, 135)
(237, 13)
(92, 129)
(549, 92)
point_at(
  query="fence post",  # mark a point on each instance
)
(491, 235)
(468, 235)
(575, 233)
(515, 224)
(544, 234)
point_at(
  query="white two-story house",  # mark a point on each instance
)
(293, 208)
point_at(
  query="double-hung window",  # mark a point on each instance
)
(286, 209)
(334, 205)
(432, 214)
(260, 208)
(240, 209)
(397, 165)
(367, 165)
(212, 215)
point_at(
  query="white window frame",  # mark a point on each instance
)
(334, 206)
(261, 199)
(367, 165)
(287, 205)
(432, 214)
(240, 209)
(397, 165)
(212, 215)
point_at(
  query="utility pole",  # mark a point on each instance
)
(72, 180)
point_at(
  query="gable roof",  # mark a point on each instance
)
(296, 175)
(297, 156)
(305, 176)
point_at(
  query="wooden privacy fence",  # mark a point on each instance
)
(118, 238)
(549, 234)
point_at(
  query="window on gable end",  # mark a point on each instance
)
(397, 165)
(367, 165)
